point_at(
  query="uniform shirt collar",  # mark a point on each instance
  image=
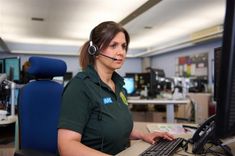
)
(92, 73)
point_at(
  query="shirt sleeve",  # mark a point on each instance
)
(75, 107)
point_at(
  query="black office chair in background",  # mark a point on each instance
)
(39, 106)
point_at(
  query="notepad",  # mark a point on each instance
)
(170, 128)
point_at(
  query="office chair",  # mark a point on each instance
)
(38, 108)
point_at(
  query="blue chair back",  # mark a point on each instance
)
(39, 105)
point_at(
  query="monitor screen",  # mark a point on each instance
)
(12, 68)
(129, 85)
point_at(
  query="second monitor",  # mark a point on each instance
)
(143, 82)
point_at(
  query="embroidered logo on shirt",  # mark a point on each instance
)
(123, 97)
(107, 100)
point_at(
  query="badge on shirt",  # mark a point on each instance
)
(107, 100)
(123, 97)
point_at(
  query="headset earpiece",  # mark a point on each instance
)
(92, 49)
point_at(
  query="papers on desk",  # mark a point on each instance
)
(170, 128)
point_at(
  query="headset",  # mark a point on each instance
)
(92, 49)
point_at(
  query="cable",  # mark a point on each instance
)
(216, 152)
(177, 152)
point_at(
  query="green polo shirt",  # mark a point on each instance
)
(91, 108)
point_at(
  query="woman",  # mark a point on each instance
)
(95, 119)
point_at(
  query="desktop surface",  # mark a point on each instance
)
(9, 120)
(139, 146)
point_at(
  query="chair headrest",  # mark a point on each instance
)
(42, 67)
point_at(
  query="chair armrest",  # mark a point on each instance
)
(29, 152)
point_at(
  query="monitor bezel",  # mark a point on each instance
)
(225, 102)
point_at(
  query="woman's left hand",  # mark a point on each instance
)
(152, 137)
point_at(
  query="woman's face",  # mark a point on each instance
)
(116, 49)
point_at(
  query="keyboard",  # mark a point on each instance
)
(163, 147)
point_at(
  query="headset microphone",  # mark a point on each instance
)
(114, 59)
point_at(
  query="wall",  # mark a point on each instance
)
(167, 61)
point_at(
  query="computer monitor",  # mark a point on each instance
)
(129, 85)
(145, 80)
(12, 68)
(222, 125)
(67, 77)
(141, 81)
(225, 112)
(1, 65)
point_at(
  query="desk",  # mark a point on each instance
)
(7, 130)
(139, 146)
(10, 119)
(170, 115)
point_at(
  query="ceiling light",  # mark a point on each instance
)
(148, 27)
(37, 19)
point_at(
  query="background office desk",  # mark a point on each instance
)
(170, 115)
(139, 146)
(7, 130)
(9, 120)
